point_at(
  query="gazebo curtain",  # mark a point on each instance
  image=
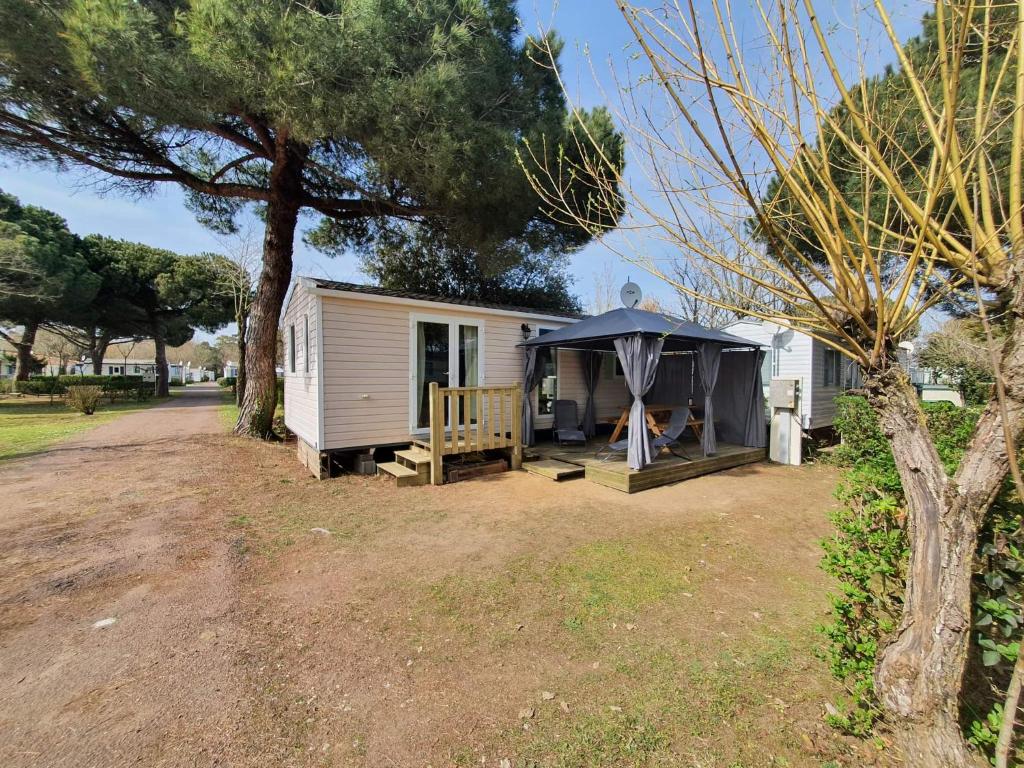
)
(754, 433)
(639, 358)
(708, 358)
(531, 379)
(738, 399)
(591, 373)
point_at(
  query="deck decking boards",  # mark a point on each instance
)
(666, 469)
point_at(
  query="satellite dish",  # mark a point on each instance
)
(782, 338)
(631, 295)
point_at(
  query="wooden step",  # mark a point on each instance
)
(413, 457)
(404, 476)
(553, 469)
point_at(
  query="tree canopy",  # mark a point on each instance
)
(43, 273)
(414, 260)
(163, 295)
(901, 135)
(369, 115)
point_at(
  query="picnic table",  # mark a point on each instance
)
(657, 418)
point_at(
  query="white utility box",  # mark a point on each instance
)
(782, 393)
(786, 442)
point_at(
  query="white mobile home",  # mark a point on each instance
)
(362, 364)
(359, 361)
(823, 372)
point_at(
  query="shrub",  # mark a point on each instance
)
(227, 381)
(868, 556)
(112, 386)
(84, 398)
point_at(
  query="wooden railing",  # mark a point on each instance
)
(479, 419)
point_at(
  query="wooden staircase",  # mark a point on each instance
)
(410, 467)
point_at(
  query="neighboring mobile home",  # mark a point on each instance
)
(822, 371)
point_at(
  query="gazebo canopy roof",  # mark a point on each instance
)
(599, 332)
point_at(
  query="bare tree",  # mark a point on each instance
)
(718, 111)
(57, 347)
(604, 297)
(238, 266)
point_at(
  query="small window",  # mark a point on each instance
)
(767, 367)
(833, 369)
(305, 342)
(291, 348)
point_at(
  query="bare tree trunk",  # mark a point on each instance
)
(919, 676)
(256, 414)
(24, 349)
(162, 372)
(243, 329)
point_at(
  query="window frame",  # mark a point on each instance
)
(291, 348)
(832, 368)
(552, 353)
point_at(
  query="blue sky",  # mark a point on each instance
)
(162, 220)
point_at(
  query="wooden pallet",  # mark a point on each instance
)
(553, 469)
(616, 475)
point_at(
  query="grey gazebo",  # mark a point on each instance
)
(656, 348)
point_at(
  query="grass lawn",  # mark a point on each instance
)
(228, 409)
(31, 424)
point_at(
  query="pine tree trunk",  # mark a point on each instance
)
(256, 414)
(162, 372)
(24, 349)
(97, 352)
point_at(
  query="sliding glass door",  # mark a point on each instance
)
(448, 352)
(432, 364)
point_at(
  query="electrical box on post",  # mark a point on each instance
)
(786, 441)
(782, 393)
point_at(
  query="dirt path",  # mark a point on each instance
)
(109, 525)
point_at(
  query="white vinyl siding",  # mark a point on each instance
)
(300, 380)
(611, 393)
(792, 358)
(823, 405)
(368, 372)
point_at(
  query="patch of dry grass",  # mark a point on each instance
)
(428, 621)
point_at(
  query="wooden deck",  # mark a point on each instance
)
(667, 468)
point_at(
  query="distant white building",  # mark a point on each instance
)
(230, 370)
(823, 372)
(178, 373)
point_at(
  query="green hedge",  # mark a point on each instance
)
(227, 381)
(112, 386)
